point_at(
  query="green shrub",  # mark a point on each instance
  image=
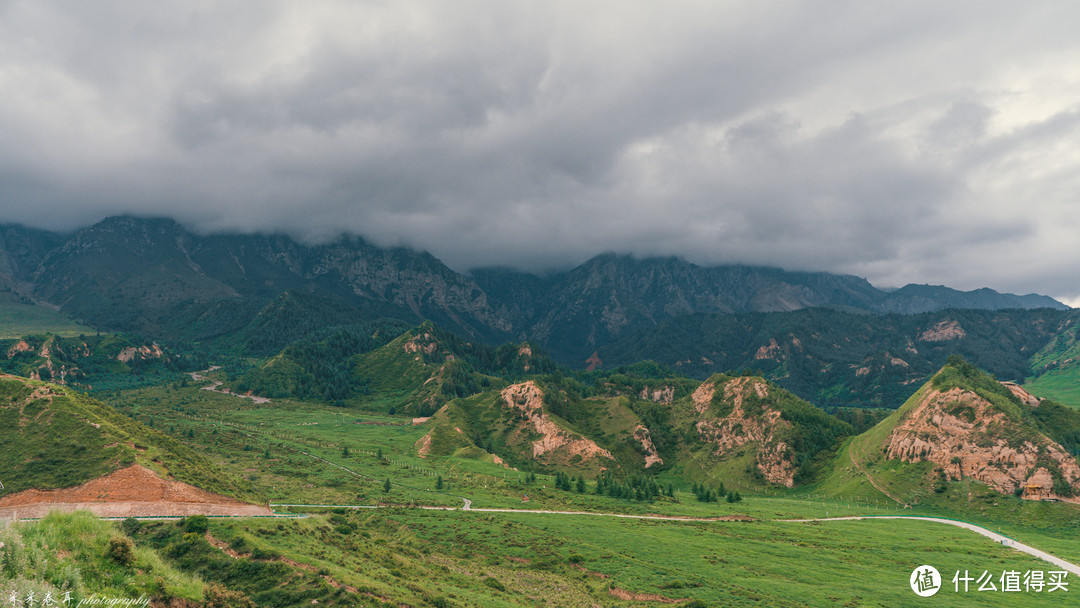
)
(265, 555)
(220, 597)
(130, 526)
(197, 524)
(121, 550)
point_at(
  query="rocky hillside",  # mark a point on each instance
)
(744, 431)
(752, 431)
(964, 425)
(516, 426)
(81, 361)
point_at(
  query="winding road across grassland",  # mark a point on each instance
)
(994, 536)
(998, 538)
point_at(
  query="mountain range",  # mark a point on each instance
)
(154, 277)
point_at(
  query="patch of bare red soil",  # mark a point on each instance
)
(134, 491)
(581, 568)
(623, 594)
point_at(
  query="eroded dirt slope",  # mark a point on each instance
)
(134, 491)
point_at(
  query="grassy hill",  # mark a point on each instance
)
(751, 431)
(92, 361)
(388, 368)
(539, 425)
(962, 427)
(53, 437)
(1054, 371)
(743, 431)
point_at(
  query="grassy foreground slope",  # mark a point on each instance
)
(67, 556)
(462, 559)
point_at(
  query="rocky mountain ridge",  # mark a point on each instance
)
(156, 277)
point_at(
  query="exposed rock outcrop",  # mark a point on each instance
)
(943, 332)
(528, 399)
(142, 352)
(703, 396)
(739, 427)
(663, 394)
(1022, 394)
(642, 436)
(424, 343)
(968, 436)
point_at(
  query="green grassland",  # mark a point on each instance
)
(18, 319)
(297, 452)
(721, 563)
(1054, 371)
(461, 558)
(1061, 385)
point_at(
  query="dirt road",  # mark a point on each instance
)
(998, 538)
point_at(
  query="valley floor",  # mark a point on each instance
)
(383, 526)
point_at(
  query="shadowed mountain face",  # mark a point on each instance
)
(833, 358)
(145, 275)
(155, 277)
(592, 304)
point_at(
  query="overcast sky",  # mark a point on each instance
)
(930, 142)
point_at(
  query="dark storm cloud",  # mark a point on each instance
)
(910, 142)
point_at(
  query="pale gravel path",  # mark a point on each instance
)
(214, 384)
(1005, 540)
(998, 538)
(870, 478)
